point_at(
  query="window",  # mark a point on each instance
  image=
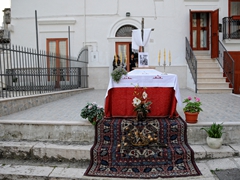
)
(234, 8)
(59, 66)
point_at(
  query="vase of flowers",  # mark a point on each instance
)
(192, 109)
(141, 102)
(93, 112)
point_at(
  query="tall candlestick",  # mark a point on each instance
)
(126, 58)
(115, 58)
(170, 59)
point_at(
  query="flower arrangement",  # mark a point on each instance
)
(93, 112)
(117, 73)
(141, 102)
(192, 106)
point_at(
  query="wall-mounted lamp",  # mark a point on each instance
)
(128, 14)
(219, 27)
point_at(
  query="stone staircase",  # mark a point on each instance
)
(30, 152)
(210, 78)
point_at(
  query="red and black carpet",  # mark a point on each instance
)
(120, 149)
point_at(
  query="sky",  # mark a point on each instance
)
(3, 4)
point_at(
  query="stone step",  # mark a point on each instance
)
(207, 61)
(207, 65)
(214, 90)
(208, 70)
(214, 85)
(16, 169)
(30, 151)
(81, 132)
(44, 150)
(209, 75)
(203, 57)
(211, 79)
(24, 172)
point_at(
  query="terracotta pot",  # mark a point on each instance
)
(191, 117)
(214, 143)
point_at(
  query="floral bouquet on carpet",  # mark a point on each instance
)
(141, 102)
(93, 112)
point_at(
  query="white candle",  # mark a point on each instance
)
(170, 59)
(159, 55)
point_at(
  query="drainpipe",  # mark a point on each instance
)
(36, 24)
(84, 23)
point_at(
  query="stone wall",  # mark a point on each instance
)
(16, 104)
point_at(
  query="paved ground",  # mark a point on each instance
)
(216, 107)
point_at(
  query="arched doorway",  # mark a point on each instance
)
(124, 49)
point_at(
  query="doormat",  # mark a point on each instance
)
(155, 147)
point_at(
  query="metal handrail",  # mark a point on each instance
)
(226, 62)
(192, 62)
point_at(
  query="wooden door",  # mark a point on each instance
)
(123, 50)
(199, 30)
(214, 34)
(58, 48)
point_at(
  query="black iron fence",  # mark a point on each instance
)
(231, 28)
(23, 71)
(226, 62)
(192, 62)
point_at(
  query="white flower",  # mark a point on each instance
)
(136, 101)
(144, 95)
(99, 107)
(90, 107)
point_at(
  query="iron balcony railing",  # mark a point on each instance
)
(226, 62)
(192, 62)
(23, 72)
(231, 27)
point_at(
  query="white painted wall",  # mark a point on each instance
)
(94, 23)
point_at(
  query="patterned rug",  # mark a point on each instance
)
(156, 147)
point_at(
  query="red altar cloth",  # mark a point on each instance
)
(118, 102)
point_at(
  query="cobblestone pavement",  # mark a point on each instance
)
(216, 107)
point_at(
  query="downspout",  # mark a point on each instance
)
(84, 24)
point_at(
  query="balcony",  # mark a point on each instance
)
(231, 27)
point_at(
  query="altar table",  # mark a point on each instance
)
(163, 92)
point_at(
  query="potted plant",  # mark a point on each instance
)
(214, 139)
(192, 109)
(117, 73)
(93, 112)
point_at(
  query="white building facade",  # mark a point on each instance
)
(104, 26)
